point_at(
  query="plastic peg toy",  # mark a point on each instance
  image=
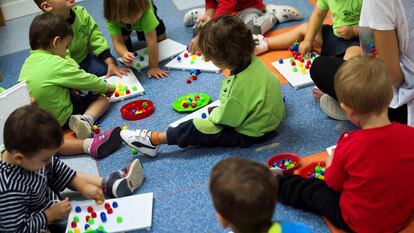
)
(86, 226)
(107, 205)
(191, 102)
(87, 218)
(188, 81)
(76, 219)
(70, 231)
(194, 77)
(115, 204)
(295, 69)
(203, 115)
(93, 214)
(281, 61)
(73, 224)
(119, 219)
(91, 221)
(78, 209)
(76, 230)
(293, 63)
(192, 62)
(134, 151)
(185, 55)
(287, 162)
(179, 59)
(90, 209)
(136, 110)
(103, 216)
(109, 210)
(99, 202)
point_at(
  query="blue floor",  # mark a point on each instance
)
(179, 178)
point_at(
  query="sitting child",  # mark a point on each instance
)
(125, 16)
(31, 177)
(244, 195)
(251, 106)
(371, 175)
(51, 77)
(86, 37)
(339, 39)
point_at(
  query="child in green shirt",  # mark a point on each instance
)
(52, 78)
(86, 37)
(251, 106)
(124, 16)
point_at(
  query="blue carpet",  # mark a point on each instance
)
(179, 178)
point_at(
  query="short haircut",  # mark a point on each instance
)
(244, 193)
(45, 27)
(116, 10)
(39, 2)
(362, 83)
(227, 41)
(30, 129)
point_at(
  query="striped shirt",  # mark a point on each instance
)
(25, 195)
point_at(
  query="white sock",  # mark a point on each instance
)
(87, 143)
(89, 118)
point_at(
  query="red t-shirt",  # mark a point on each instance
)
(230, 6)
(374, 171)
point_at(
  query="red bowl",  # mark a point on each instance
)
(284, 156)
(144, 110)
(305, 171)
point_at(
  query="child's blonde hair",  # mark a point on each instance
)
(117, 10)
(362, 83)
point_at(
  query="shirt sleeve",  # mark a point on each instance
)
(225, 8)
(322, 4)
(97, 41)
(211, 4)
(148, 21)
(225, 114)
(386, 21)
(15, 215)
(336, 175)
(71, 76)
(114, 28)
(59, 175)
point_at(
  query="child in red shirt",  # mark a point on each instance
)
(369, 185)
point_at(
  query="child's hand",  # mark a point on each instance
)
(74, 92)
(92, 192)
(157, 73)
(128, 58)
(346, 32)
(193, 46)
(305, 47)
(115, 70)
(203, 19)
(58, 211)
(110, 91)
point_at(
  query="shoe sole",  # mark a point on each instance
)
(324, 101)
(80, 128)
(113, 142)
(134, 179)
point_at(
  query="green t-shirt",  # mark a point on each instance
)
(147, 23)
(1, 90)
(50, 78)
(345, 12)
(250, 102)
(86, 36)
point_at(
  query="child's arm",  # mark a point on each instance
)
(88, 190)
(154, 70)
(348, 32)
(314, 26)
(386, 43)
(121, 49)
(336, 175)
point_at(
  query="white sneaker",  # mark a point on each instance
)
(284, 13)
(125, 181)
(261, 44)
(331, 107)
(140, 140)
(80, 126)
(191, 16)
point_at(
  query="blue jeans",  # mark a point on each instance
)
(94, 65)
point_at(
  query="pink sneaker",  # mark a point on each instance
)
(106, 143)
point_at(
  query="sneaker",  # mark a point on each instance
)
(191, 16)
(331, 107)
(106, 143)
(261, 44)
(81, 126)
(125, 181)
(284, 13)
(140, 140)
(317, 93)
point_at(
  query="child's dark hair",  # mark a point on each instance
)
(45, 27)
(362, 83)
(244, 192)
(30, 129)
(117, 10)
(227, 42)
(39, 3)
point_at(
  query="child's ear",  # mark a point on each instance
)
(46, 7)
(347, 109)
(55, 41)
(18, 158)
(224, 222)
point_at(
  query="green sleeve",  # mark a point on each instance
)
(70, 76)
(230, 113)
(322, 4)
(97, 41)
(148, 21)
(1, 90)
(114, 28)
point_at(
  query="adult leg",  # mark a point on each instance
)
(399, 115)
(311, 195)
(323, 72)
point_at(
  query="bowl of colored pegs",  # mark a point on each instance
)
(137, 109)
(191, 102)
(313, 170)
(286, 162)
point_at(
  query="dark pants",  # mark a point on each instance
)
(186, 134)
(333, 45)
(80, 104)
(311, 195)
(160, 30)
(94, 65)
(323, 72)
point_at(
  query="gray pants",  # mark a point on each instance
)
(257, 21)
